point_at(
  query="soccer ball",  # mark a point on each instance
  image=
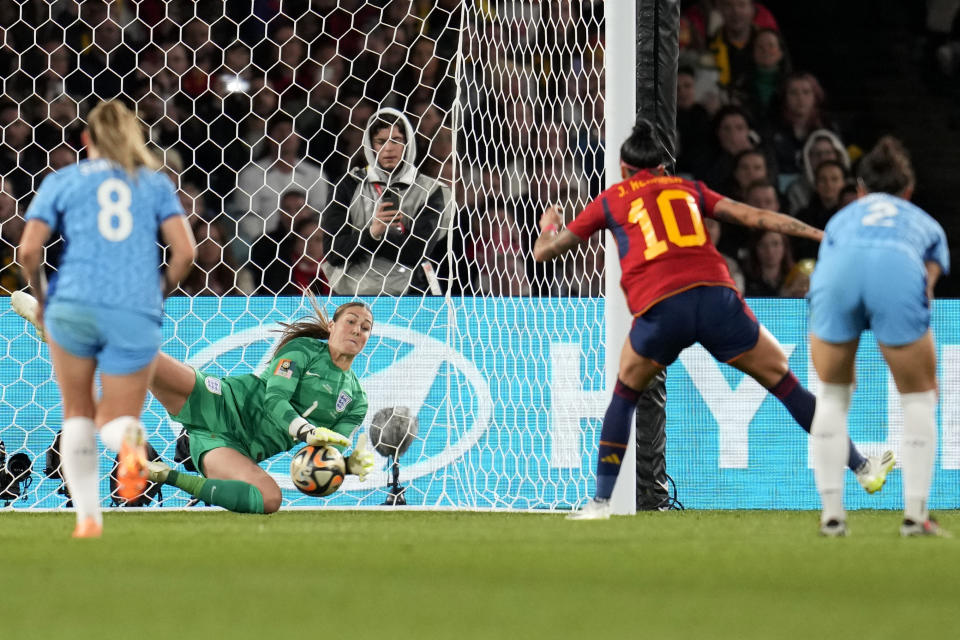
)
(317, 471)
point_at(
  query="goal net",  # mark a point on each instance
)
(267, 121)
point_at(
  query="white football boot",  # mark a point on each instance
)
(873, 474)
(26, 307)
(593, 510)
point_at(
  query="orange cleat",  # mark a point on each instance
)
(132, 471)
(88, 528)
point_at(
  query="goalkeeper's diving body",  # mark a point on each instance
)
(308, 393)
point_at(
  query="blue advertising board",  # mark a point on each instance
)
(509, 395)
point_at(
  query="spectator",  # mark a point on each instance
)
(61, 156)
(282, 167)
(771, 67)
(386, 218)
(215, 273)
(769, 260)
(748, 167)
(705, 19)
(802, 114)
(731, 127)
(63, 125)
(763, 195)
(821, 145)
(270, 255)
(732, 46)
(302, 265)
(829, 179)
(848, 194)
(693, 124)
(498, 254)
(11, 228)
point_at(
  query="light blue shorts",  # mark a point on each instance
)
(121, 341)
(860, 288)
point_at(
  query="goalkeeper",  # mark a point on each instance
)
(308, 393)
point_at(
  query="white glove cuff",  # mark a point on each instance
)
(299, 428)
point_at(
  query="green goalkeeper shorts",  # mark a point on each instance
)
(211, 418)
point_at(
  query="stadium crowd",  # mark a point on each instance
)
(260, 117)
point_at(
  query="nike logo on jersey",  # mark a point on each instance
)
(311, 373)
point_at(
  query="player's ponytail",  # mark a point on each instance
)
(116, 133)
(642, 150)
(317, 327)
(887, 168)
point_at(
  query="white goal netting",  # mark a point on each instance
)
(265, 114)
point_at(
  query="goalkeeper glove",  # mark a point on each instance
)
(321, 436)
(303, 431)
(360, 462)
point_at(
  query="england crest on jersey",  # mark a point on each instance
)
(343, 400)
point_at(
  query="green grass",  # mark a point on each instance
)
(423, 575)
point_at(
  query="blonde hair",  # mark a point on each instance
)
(116, 133)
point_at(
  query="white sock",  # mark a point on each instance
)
(918, 452)
(113, 432)
(78, 466)
(830, 446)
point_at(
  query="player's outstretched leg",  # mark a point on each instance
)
(231, 494)
(871, 471)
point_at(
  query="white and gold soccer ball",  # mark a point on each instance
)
(317, 471)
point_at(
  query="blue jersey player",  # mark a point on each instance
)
(102, 308)
(878, 263)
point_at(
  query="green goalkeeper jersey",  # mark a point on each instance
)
(301, 380)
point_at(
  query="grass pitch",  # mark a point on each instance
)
(424, 575)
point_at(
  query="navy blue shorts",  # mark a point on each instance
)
(716, 317)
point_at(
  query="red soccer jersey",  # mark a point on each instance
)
(663, 245)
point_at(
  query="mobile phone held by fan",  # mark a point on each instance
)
(391, 198)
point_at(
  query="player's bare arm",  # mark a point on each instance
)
(728, 210)
(177, 234)
(933, 274)
(553, 241)
(30, 256)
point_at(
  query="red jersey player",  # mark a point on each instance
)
(680, 292)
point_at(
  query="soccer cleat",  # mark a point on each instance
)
(26, 307)
(158, 471)
(88, 528)
(834, 529)
(873, 473)
(132, 472)
(596, 509)
(929, 528)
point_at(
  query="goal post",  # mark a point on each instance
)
(641, 80)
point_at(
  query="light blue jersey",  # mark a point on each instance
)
(110, 224)
(884, 221)
(871, 271)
